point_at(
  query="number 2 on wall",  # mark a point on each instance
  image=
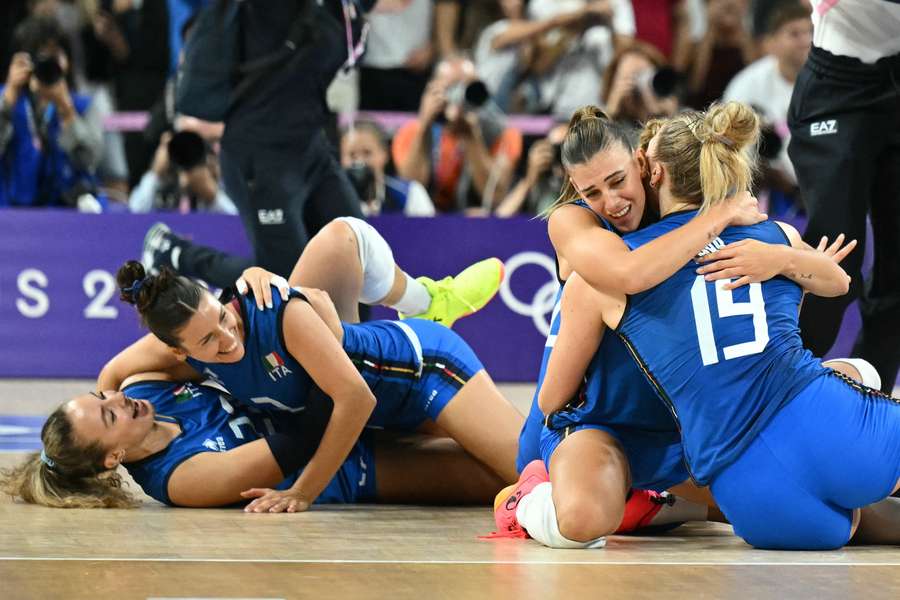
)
(728, 308)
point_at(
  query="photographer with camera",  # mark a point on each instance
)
(459, 147)
(543, 180)
(638, 85)
(364, 157)
(50, 142)
(184, 176)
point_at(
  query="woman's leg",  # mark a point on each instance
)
(485, 424)
(591, 480)
(405, 470)
(353, 263)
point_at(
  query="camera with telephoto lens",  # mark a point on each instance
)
(660, 82)
(469, 97)
(47, 69)
(187, 150)
(362, 177)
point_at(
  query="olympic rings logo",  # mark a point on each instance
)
(540, 308)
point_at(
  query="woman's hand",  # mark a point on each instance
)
(273, 501)
(260, 282)
(835, 251)
(744, 209)
(748, 261)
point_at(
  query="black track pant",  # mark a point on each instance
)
(845, 145)
(285, 193)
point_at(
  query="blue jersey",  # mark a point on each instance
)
(614, 392)
(211, 422)
(725, 362)
(268, 376)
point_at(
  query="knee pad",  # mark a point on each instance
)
(376, 258)
(868, 374)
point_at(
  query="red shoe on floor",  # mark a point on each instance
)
(506, 502)
(640, 509)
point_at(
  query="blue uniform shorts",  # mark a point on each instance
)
(834, 448)
(354, 483)
(655, 458)
(442, 362)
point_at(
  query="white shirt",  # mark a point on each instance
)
(762, 85)
(863, 29)
(623, 13)
(394, 35)
(494, 65)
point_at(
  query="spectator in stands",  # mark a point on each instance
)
(543, 180)
(569, 62)
(665, 25)
(399, 55)
(123, 45)
(50, 139)
(726, 48)
(184, 176)
(464, 154)
(768, 83)
(638, 85)
(364, 156)
(508, 55)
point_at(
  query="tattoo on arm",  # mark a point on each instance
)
(803, 275)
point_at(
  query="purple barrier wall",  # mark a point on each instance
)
(60, 315)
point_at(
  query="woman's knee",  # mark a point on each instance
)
(588, 517)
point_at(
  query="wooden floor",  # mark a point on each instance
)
(381, 552)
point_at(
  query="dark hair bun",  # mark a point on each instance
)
(129, 273)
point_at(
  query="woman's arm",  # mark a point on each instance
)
(749, 261)
(313, 345)
(148, 354)
(580, 333)
(217, 478)
(608, 265)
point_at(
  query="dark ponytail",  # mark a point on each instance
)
(165, 302)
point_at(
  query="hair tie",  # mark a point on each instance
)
(51, 464)
(718, 137)
(134, 288)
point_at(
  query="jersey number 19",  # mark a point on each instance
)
(727, 307)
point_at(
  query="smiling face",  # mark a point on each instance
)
(213, 334)
(111, 420)
(610, 182)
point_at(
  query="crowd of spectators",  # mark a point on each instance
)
(466, 73)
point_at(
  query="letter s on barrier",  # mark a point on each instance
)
(31, 283)
(541, 305)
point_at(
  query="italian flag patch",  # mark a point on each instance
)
(272, 361)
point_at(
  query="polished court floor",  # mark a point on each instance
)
(376, 551)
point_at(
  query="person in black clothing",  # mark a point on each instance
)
(845, 147)
(278, 165)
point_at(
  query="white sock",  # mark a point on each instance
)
(537, 515)
(376, 258)
(867, 372)
(415, 300)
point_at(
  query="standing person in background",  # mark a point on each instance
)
(278, 165)
(844, 119)
(399, 55)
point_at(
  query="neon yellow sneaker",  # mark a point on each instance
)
(455, 297)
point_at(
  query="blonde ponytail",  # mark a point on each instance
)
(709, 156)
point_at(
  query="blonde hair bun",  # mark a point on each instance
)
(732, 124)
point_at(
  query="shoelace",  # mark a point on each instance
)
(445, 286)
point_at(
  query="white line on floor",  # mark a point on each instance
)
(453, 562)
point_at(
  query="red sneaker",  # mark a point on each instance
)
(506, 502)
(640, 509)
